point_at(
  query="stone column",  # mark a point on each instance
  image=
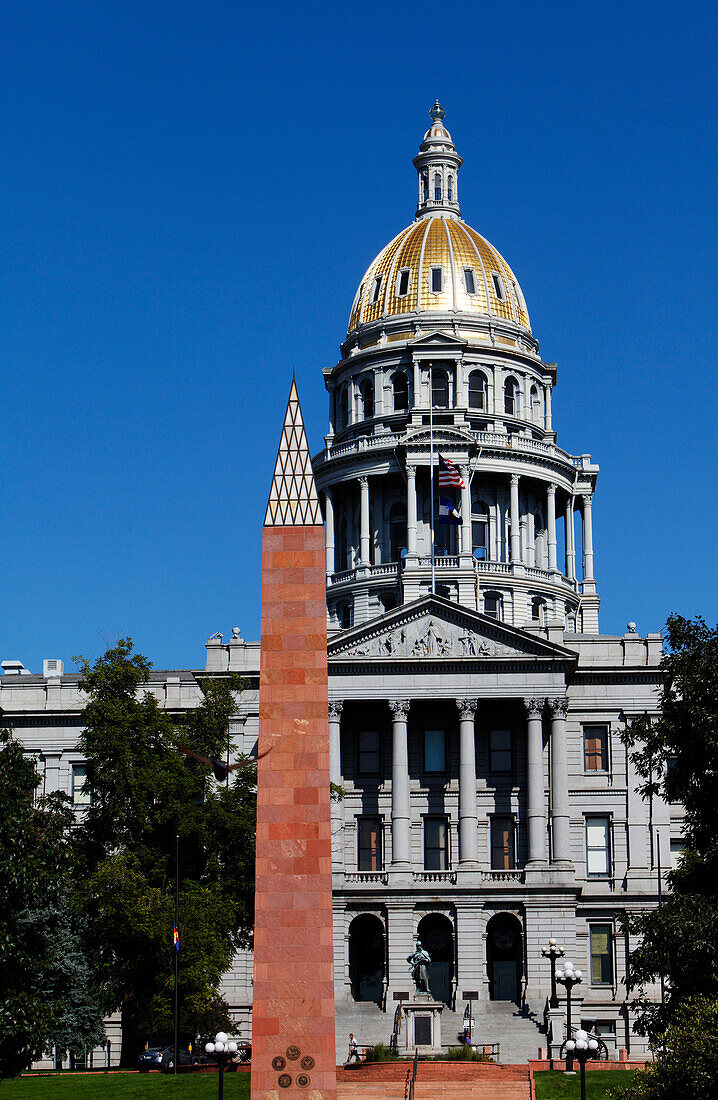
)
(335, 745)
(468, 815)
(364, 551)
(561, 845)
(551, 527)
(415, 396)
(570, 542)
(329, 532)
(466, 547)
(587, 538)
(548, 408)
(411, 511)
(535, 801)
(515, 538)
(400, 807)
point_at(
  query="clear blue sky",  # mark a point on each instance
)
(190, 194)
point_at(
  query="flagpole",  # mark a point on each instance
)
(431, 474)
(176, 953)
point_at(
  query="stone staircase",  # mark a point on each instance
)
(435, 1081)
(497, 1022)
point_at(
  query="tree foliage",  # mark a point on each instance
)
(145, 793)
(687, 1066)
(45, 994)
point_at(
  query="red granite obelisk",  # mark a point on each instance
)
(293, 1047)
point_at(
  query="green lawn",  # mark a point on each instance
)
(554, 1085)
(125, 1086)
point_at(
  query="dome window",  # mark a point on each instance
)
(480, 529)
(402, 283)
(493, 605)
(376, 289)
(511, 397)
(538, 611)
(366, 397)
(499, 289)
(436, 280)
(470, 280)
(400, 386)
(478, 390)
(437, 187)
(425, 185)
(450, 190)
(439, 389)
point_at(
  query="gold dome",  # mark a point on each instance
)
(475, 278)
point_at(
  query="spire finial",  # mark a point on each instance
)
(437, 112)
(438, 166)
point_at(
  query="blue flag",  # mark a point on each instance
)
(448, 513)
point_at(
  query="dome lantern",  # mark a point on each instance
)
(437, 164)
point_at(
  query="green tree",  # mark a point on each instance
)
(145, 793)
(677, 756)
(687, 1065)
(45, 996)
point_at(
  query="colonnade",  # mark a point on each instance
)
(468, 811)
(518, 545)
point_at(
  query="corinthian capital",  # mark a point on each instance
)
(559, 706)
(399, 707)
(467, 707)
(336, 706)
(534, 705)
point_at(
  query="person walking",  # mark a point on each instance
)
(353, 1051)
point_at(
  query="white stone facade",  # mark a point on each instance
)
(475, 729)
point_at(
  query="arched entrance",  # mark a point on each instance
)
(436, 933)
(504, 957)
(367, 955)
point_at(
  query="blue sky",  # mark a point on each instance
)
(190, 195)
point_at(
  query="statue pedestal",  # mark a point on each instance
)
(423, 1024)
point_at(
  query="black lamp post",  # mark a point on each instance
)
(568, 977)
(222, 1052)
(553, 952)
(584, 1049)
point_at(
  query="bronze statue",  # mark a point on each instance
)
(419, 965)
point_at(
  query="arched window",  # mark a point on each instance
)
(397, 530)
(439, 389)
(343, 408)
(478, 390)
(535, 405)
(400, 386)
(480, 529)
(538, 610)
(342, 548)
(570, 618)
(493, 605)
(366, 394)
(511, 397)
(450, 192)
(344, 614)
(437, 187)
(425, 185)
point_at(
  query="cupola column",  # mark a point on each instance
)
(364, 552)
(466, 547)
(468, 814)
(551, 527)
(329, 531)
(570, 542)
(400, 805)
(515, 530)
(561, 846)
(411, 511)
(547, 413)
(536, 797)
(335, 744)
(588, 542)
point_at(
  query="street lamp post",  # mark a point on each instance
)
(584, 1049)
(568, 977)
(553, 952)
(222, 1051)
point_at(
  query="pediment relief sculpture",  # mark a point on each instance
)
(428, 639)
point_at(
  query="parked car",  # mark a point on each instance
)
(150, 1059)
(167, 1063)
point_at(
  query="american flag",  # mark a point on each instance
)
(449, 476)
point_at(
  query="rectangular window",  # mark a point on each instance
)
(601, 954)
(498, 287)
(436, 844)
(595, 748)
(500, 751)
(503, 849)
(369, 854)
(598, 847)
(469, 281)
(81, 795)
(403, 286)
(434, 751)
(375, 289)
(369, 763)
(437, 281)
(678, 847)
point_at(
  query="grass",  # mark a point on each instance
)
(554, 1085)
(125, 1086)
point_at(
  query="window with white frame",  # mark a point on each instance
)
(400, 390)
(81, 794)
(598, 846)
(402, 283)
(595, 748)
(493, 605)
(376, 289)
(499, 289)
(436, 280)
(439, 388)
(511, 397)
(470, 280)
(478, 390)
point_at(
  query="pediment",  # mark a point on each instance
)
(437, 339)
(435, 629)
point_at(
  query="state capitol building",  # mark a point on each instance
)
(475, 709)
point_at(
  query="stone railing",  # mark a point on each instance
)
(388, 569)
(483, 566)
(434, 876)
(508, 877)
(444, 561)
(366, 878)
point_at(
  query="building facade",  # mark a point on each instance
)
(487, 801)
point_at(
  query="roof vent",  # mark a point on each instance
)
(14, 668)
(52, 667)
